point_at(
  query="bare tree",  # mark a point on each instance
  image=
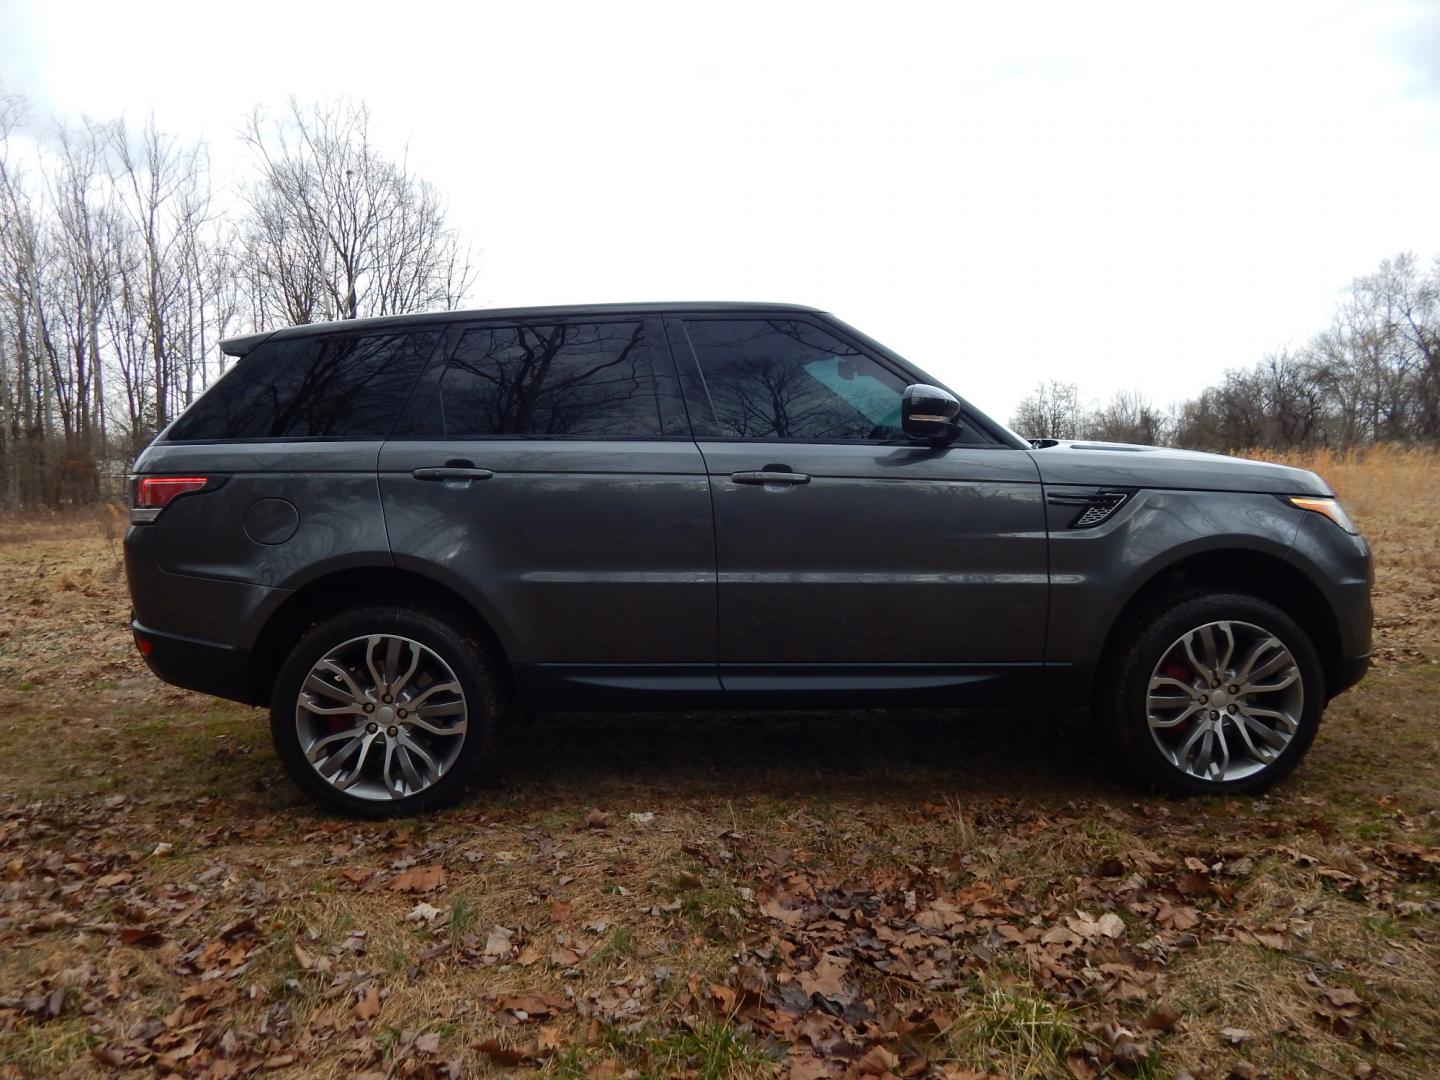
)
(1051, 411)
(25, 266)
(1128, 417)
(118, 275)
(163, 190)
(336, 231)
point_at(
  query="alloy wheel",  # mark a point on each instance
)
(1225, 701)
(381, 717)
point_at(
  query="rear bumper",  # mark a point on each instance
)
(207, 666)
(1351, 671)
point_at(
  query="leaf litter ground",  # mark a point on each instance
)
(802, 895)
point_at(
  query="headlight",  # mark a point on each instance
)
(1331, 508)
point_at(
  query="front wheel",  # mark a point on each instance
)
(384, 711)
(1218, 693)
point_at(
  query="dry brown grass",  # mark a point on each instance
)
(1392, 492)
(104, 763)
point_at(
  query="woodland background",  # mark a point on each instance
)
(122, 266)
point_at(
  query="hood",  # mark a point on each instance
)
(1126, 465)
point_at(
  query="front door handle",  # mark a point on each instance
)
(452, 472)
(770, 476)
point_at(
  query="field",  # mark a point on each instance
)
(799, 895)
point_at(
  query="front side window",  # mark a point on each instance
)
(337, 386)
(789, 379)
(586, 380)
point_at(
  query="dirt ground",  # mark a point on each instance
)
(801, 895)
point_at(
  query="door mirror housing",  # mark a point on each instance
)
(929, 414)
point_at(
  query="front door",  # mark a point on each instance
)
(545, 471)
(849, 560)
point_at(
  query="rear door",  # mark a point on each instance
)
(848, 558)
(544, 469)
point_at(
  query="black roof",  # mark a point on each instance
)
(239, 346)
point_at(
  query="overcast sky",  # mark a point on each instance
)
(1122, 196)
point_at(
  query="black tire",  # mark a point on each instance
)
(483, 698)
(1123, 692)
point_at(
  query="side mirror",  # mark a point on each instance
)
(929, 414)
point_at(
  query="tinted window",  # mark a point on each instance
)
(788, 379)
(577, 379)
(338, 386)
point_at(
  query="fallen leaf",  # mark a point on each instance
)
(420, 879)
(809, 1068)
(1343, 998)
(532, 1005)
(305, 960)
(423, 912)
(1268, 939)
(1177, 917)
(876, 1062)
(1162, 1018)
(1090, 928)
(108, 1056)
(1111, 925)
(242, 929)
(498, 943)
(1192, 884)
(597, 819)
(368, 1007)
(825, 978)
(1234, 1036)
(501, 1055)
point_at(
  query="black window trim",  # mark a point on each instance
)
(693, 384)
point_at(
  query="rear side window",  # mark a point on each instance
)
(789, 379)
(338, 386)
(583, 380)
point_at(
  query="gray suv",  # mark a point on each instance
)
(394, 532)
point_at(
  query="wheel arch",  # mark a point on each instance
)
(1267, 576)
(355, 587)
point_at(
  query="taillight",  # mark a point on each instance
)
(153, 493)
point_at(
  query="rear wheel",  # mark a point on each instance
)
(385, 711)
(1214, 693)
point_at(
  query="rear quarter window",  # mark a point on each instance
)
(340, 386)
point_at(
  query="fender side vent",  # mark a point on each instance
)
(1095, 507)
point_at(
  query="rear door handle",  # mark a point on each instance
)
(452, 472)
(770, 476)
